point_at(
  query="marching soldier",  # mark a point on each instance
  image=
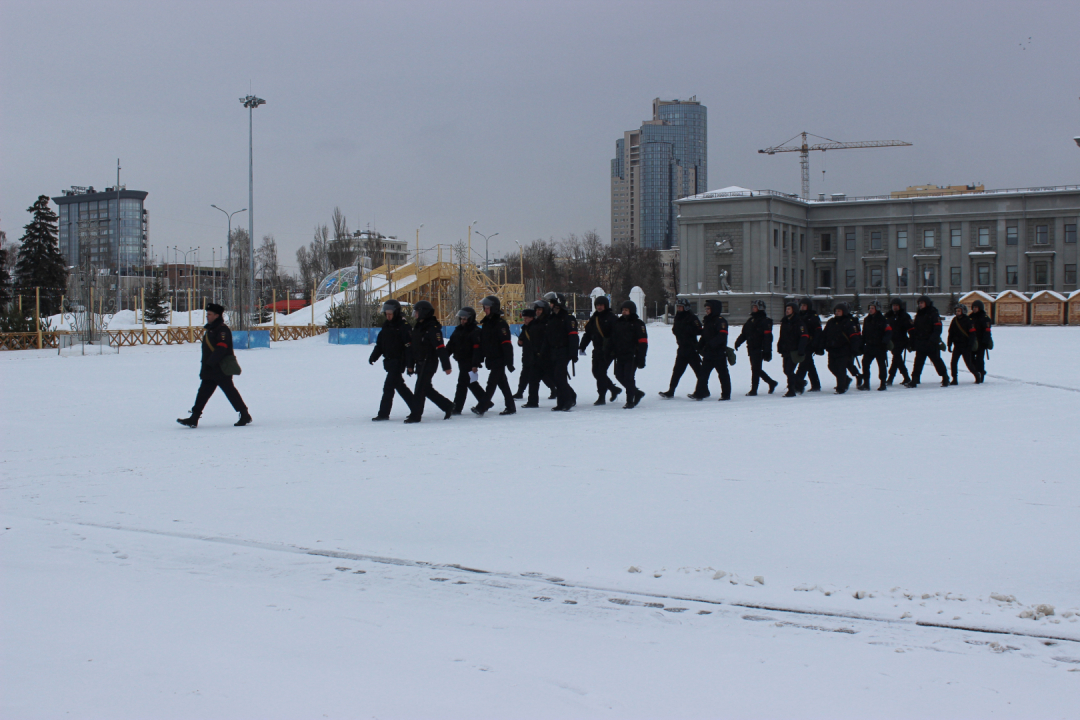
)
(842, 342)
(598, 331)
(980, 321)
(217, 348)
(631, 343)
(428, 351)
(900, 322)
(926, 340)
(497, 348)
(686, 330)
(793, 345)
(713, 348)
(812, 322)
(876, 336)
(393, 345)
(562, 345)
(961, 341)
(524, 341)
(757, 334)
(464, 347)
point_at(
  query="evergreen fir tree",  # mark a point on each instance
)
(40, 263)
(157, 311)
(5, 272)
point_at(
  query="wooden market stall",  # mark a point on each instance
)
(1073, 301)
(987, 301)
(1048, 308)
(1011, 308)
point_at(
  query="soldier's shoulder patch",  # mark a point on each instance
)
(505, 330)
(573, 322)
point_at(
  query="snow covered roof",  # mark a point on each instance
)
(1073, 295)
(1006, 294)
(976, 295)
(1056, 296)
(729, 191)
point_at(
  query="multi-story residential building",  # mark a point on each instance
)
(91, 228)
(739, 243)
(660, 162)
(384, 249)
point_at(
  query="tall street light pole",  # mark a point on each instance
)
(251, 102)
(228, 244)
(118, 236)
(486, 238)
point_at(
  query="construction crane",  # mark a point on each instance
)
(804, 152)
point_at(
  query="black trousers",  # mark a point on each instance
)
(980, 360)
(757, 372)
(212, 383)
(969, 361)
(898, 364)
(560, 377)
(394, 383)
(869, 357)
(497, 381)
(600, 364)
(839, 364)
(683, 359)
(721, 368)
(934, 356)
(537, 372)
(464, 385)
(424, 390)
(625, 372)
(808, 370)
(523, 378)
(791, 370)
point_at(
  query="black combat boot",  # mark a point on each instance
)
(191, 422)
(245, 419)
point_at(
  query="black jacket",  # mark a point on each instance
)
(529, 342)
(630, 340)
(926, 329)
(561, 335)
(598, 331)
(216, 346)
(686, 328)
(793, 335)
(900, 322)
(813, 328)
(427, 345)
(464, 345)
(842, 335)
(980, 321)
(393, 344)
(714, 337)
(757, 334)
(496, 343)
(876, 332)
(961, 333)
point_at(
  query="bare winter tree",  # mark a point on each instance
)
(342, 248)
(314, 260)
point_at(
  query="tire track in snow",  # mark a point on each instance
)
(1035, 383)
(554, 580)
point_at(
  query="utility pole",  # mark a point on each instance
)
(117, 234)
(251, 102)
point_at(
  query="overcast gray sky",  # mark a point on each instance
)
(507, 113)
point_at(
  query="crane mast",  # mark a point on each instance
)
(804, 152)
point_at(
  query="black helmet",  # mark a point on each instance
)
(807, 302)
(716, 305)
(842, 306)
(977, 305)
(528, 312)
(629, 305)
(682, 302)
(873, 304)
(392, 306)
(492, 302)
(896, 302)
(467, 312)
(556, 299)
(791, 304)
(423, 310)
(962, 308)
(926, 299)
(601, 300)
(542, 305)
(758, 304)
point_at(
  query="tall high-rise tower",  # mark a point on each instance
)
(660, 162)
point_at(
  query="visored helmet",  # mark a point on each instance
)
(492, 302)
(542, 305)
(556, 299)
(391, 306)
(423, 310)
(466, 313)
(629, 305)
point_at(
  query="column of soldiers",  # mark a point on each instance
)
(550, 343)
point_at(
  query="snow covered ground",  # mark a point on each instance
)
(822, 556)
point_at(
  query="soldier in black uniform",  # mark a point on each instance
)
(630, 343)
(562, 345)
(793, 345)
(876, 337)
(713, 348)
(980, 321)
(428, 351)
(757, 334)
(900, 322)
(686, 328)
(464, 347)
(497, 347)
(926, 335)
(815, 347)
(542, 363)
(524, 341)
(598, 330)
(393, 345)
(961, 341)
(216, 346)
(843, 342)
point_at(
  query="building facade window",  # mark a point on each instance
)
(1012, 235)
(784, 240)
(1070, 233)
(849, 278)
(984, 237)
(1041, 273)
(775, 276)
(775, 236)
(876, 277)
(802, 240)
(875, 240)
(802, 280)
(955, 240)
(929, 277)
(826, 244)
(928, 238)
(849, 241)
(1012, 275)
(901, 239)
(902, 278)
(954, 277)
(983, 272)
(825, 278)
(1070, 273)
(1042, 234)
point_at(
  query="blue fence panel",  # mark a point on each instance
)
(251, 339)
(352, 336)
(515, 329)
